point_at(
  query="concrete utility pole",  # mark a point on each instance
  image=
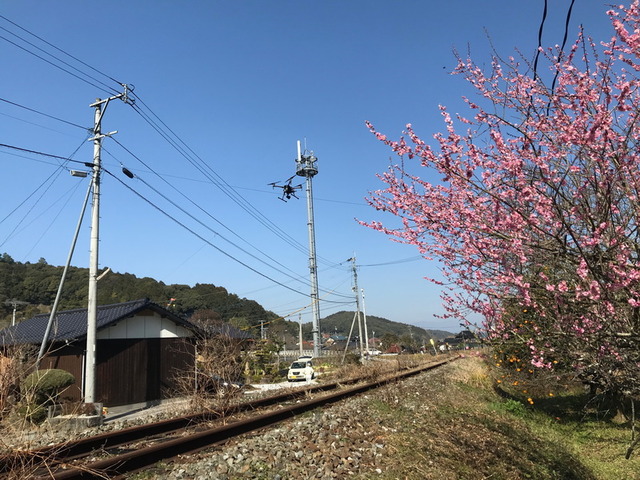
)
(357, 292)
(306, 167)
(366, 331)
(92, 301)
(15, 304)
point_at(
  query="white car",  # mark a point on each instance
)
(301, 369)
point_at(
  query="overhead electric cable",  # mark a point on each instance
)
(27, 198)
(49, 155)
(540, 29)
(393, 262)
(174, 140)
(165, 197)
(564, 43)
(35, 124)
(68, 197)
(62, 51)
(48, 179)
(196, 205)
(202, 238)
(31, 158)
(218, 234)
(61, 68)
(294, 277)
(43, 114)
(201, 166)
(24, 217)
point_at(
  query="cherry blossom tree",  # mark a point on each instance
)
(534, 213)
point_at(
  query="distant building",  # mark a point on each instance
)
(395, 348)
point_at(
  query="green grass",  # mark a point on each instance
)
(471, 430)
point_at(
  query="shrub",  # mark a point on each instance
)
(40, 389)
(47, 384)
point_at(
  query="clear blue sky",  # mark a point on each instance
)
(240, 82)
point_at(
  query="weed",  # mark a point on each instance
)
(512, 406)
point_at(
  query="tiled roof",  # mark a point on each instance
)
(72, 324)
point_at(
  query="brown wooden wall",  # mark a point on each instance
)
(130, 370)
(134, 371)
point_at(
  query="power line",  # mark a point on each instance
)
(212, 176)
(49, 180)
(540, 29)
(62, 51)
(106, 88)
(197, 162)
(57, 66)
(393, 262)
(49, 155)
(44, 232)
(43, 114)
(172, 202)
(171, 217)
(160, 126)
(198, 207)
(213, 231)
(564, 43)
(27, 198)
(24, 217)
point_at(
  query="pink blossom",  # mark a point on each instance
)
(531, 201)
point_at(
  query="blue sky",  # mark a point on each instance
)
(239, 82)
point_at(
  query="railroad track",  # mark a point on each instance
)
(69, 461)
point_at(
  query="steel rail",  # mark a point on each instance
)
(141, 458)
(78, 448)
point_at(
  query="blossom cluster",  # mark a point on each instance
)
(537, 207)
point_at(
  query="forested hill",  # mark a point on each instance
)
(34, 287)
(341, 322)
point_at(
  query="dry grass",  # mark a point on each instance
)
(454, 425)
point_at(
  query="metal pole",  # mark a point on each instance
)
(54, 309)
(306, 168)
(346, 347)
(300, 333)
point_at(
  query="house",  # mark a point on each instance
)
(394, 348)
(141, 350)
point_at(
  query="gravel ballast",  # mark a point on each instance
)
(339, 441)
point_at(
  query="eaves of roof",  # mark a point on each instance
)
(71, 325)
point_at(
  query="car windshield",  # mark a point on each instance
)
(298, 365)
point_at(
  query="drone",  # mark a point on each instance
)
(288, 190)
